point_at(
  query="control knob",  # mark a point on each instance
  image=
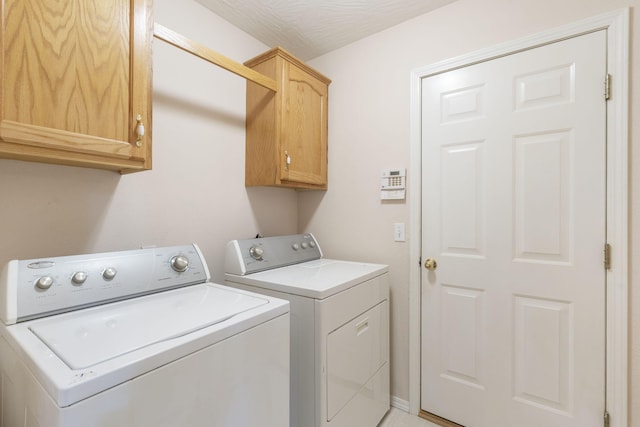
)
(44, 282)
(109, 273)
(180, 263)
(79, 277)
(256, 252)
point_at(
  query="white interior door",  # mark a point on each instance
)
(513, 212)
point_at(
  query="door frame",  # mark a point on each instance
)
(617, 25)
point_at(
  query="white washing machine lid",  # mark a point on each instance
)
(85, 338)
(317, 279)
(155, 330)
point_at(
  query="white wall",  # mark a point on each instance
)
(369, 103)
(195, 192)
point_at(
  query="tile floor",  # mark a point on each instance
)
(398, 418)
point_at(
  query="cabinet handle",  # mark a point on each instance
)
(287, 160)
(139, 131)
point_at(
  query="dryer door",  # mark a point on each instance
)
(355, 353)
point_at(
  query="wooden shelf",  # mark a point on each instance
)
(203, 52)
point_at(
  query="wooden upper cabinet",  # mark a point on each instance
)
(76, 75)
(287, 130)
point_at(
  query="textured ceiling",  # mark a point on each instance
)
(310, 28)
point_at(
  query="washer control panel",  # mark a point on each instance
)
(252, 255)
(39, 287)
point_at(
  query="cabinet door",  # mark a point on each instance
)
(304, 128)
(76, 74)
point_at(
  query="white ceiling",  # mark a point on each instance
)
(310, 28)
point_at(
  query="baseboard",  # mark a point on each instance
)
(401, 404)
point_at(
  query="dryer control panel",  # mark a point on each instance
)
(41, 287)
(252, 255)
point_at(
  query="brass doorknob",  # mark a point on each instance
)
(430, 264)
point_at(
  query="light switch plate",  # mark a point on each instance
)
(398, 232)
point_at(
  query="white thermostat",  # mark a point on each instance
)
(392, 184)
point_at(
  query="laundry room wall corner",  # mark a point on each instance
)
(195, 192)
(369, 129)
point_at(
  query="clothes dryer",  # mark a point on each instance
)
(339, 313)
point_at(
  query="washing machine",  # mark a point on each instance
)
(138, 338)
(339, 313)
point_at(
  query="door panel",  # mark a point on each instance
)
(463, 227)
(542, 166)
(535, 317)
(514, 213)
(304, 132)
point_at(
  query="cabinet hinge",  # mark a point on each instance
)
(607, 87)
(607, 256)
(606, 419)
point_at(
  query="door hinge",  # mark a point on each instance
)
(607, 256)
(606, 419)
(607, 87)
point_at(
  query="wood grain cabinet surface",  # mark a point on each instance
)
(76, 75)
(287, 130)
